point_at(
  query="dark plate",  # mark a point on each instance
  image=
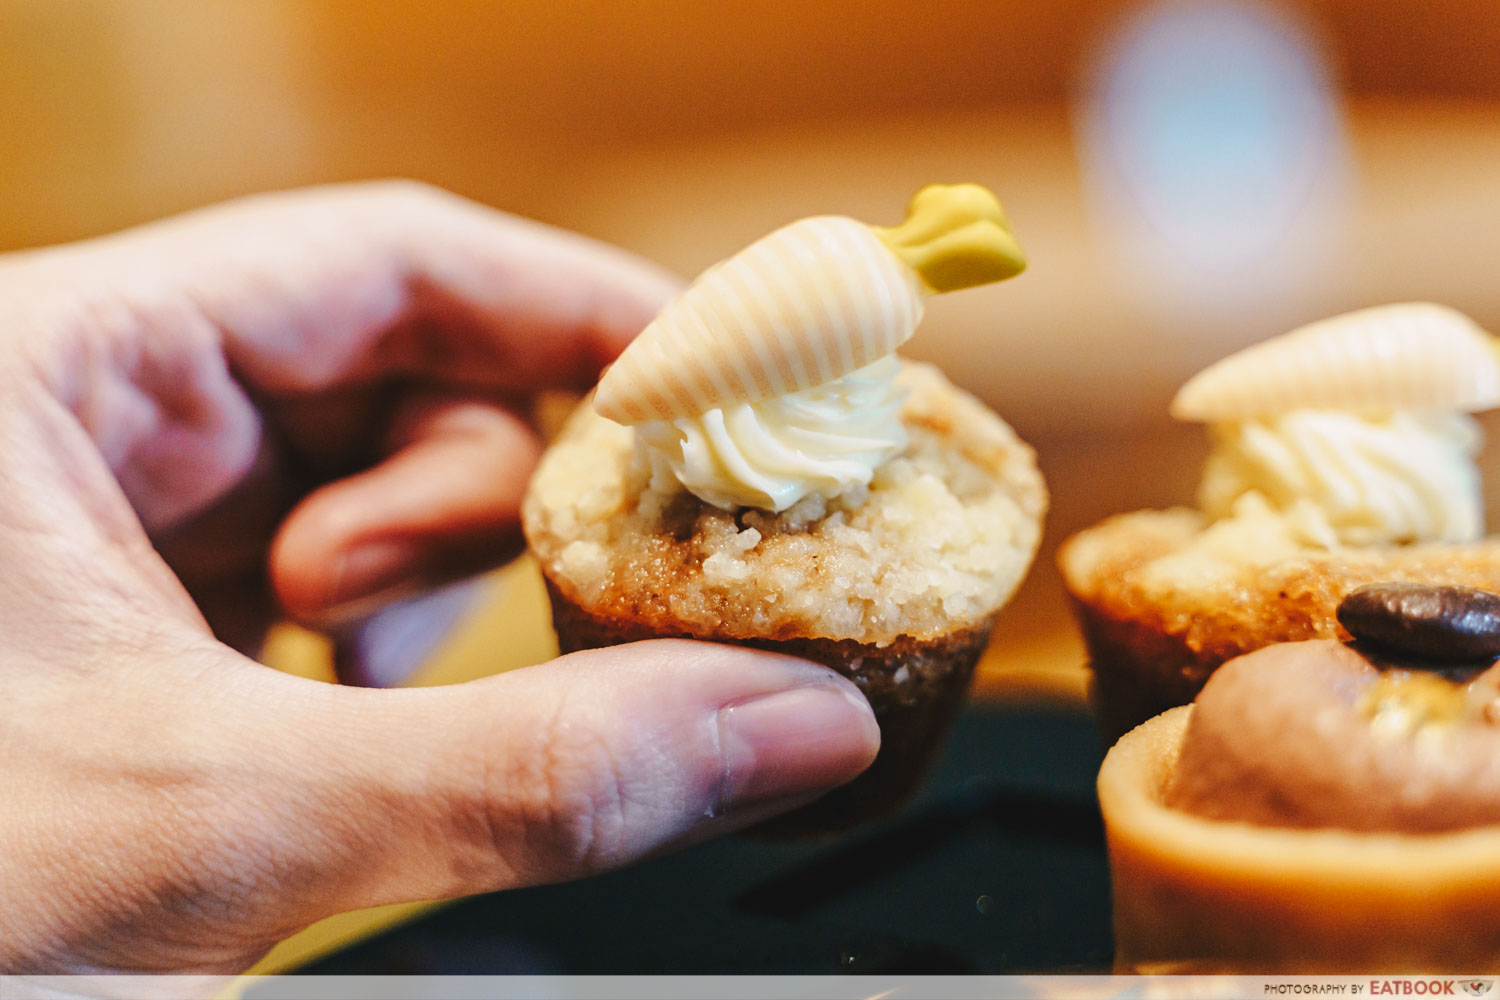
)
(997, 867)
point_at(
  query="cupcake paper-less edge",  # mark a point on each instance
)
(780, 482)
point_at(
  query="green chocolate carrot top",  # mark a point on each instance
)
(955, 236)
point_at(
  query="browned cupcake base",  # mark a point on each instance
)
(1137, 672)
(914, 687)
(1151, 650)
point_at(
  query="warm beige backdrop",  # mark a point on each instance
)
(683, 129)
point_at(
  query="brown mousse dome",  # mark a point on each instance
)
(1312, 734)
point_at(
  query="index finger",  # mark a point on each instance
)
(328, 286)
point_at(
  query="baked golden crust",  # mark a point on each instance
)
(1158, 619)
(938, 542)
(1195, 895)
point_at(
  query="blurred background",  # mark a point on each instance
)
(1187, 177)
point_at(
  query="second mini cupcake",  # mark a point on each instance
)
(760, 468)
(1343, 454)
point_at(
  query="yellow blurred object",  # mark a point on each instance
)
(956, 236)
(296, 651)
(339, 931)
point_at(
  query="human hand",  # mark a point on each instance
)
(310, 401)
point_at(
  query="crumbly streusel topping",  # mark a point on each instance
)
(939, 539)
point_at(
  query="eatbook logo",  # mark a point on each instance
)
(1477, 987)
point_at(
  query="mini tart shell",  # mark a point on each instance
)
(661, 576)
(1151, 649)
(1194, 895)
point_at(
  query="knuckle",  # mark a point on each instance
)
(564, 805)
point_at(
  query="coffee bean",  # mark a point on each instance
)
(1425, 622)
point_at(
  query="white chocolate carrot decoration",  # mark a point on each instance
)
(1410, 356)
(809, 303)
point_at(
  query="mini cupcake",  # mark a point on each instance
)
(1343, 454)
(1320, 808)
(758, 467)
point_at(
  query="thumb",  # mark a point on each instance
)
(556, 771)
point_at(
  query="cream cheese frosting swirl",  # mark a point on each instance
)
(1354, 429)
(825, 439)
(772, 377)
(1344, 479)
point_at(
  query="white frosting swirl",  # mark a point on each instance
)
(771, 453)
(1343, 479)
